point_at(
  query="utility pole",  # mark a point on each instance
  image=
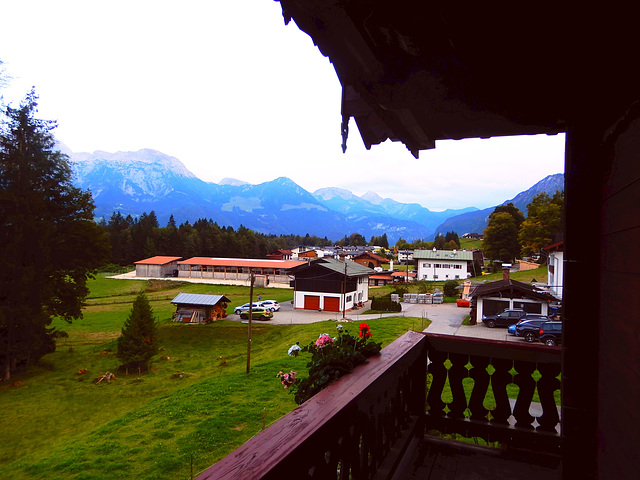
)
(250, 320)
(344, 290)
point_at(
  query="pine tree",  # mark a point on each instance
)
(50, 242)
(138, 342)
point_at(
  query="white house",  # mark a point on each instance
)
(443, 264)
(555, 267)
(405, 255)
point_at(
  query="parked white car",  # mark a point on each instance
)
(270, 305)
(244, 308)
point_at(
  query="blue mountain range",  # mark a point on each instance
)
(137, 182)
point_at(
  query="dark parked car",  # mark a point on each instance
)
(504, 319)
(551, 333)
(529, 326)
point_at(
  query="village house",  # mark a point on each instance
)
(158, 266)
(280, 254)
(495, 297)
(555, 267)
(370, 259)
(199, 308)
(330, 284)
(307, 254)
(443, 264)
(405, 255)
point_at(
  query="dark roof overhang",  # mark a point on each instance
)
(418, 71)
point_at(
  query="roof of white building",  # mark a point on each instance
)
(461, 255)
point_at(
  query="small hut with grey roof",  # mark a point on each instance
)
(199, 308)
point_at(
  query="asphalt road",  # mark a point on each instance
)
(446, 318)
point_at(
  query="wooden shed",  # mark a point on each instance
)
(199, 308)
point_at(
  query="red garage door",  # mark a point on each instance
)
(311, 302)
(332, 304)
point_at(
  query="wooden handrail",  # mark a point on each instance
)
(361, 426)
(358, 427)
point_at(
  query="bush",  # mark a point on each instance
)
(450, 288)
(385, 304)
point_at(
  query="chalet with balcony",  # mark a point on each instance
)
(330, 284)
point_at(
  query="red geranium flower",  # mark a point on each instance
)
(365, 332)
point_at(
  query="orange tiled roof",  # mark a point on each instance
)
(159, 260)
(403, 274)
(242, 262)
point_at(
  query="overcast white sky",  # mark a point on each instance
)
(231, 91)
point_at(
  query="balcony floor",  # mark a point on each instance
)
(437, 459)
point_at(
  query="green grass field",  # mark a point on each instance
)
(196, 405)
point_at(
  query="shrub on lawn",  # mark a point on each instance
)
(385, 304)
(450, 288)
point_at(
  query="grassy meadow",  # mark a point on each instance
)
(196, 405)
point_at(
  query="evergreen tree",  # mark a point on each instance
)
(50, 242)
(439, 242)
(453, 237)
(138, 342)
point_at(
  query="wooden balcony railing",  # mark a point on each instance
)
(361, 426)
(491, 366)
(356, 428)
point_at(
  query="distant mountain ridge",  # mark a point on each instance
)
(137, 182)
(476, 222)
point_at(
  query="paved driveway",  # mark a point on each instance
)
(445, 318)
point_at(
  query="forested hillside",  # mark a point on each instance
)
(135, 239)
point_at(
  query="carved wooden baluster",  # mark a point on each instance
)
(439, 372)
(481, 380)
(499, 380)
(527, 384)
(350, 449)
(457, 373)
(547, 385)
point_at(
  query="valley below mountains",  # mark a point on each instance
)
(137, 182)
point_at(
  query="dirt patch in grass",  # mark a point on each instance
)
(89, 338)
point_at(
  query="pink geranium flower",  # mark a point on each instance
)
(324, 340)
